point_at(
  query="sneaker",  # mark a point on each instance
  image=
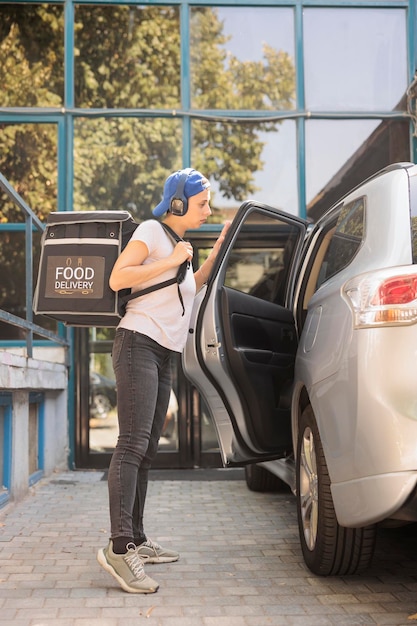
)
(127, 569)
(154, 553)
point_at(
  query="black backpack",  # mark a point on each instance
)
(78, 251)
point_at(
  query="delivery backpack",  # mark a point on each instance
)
(78, 251)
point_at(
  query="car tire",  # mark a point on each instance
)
(328, 548)
(260, 479)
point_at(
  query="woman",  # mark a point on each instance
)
(154, 326)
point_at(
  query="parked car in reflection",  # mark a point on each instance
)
(305, 352)
(102, 395)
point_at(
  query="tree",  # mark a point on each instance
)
(231, 151)
(31, 75)
(133, 156)
(128, 57)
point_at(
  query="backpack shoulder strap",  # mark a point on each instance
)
(171, 232)
(171, 281)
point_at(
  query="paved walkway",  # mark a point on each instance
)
(240, 562)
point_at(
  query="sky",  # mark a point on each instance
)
(355, 60)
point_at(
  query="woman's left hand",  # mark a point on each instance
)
(203, 272)
(215, 250)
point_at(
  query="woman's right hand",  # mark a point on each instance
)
(129, 269)
(183, 251)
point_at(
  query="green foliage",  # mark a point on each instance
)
(31, 75)
(32, 55)
(414, 237)
(230, 152)
(28, 161)
(126, 166)
(128, 57)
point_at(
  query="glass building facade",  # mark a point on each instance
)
(293, 102)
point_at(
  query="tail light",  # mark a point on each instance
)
(384, 298)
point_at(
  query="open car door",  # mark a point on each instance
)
(243, 340)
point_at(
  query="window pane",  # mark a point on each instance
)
(414, 238)
(12, 280)
(355, 59)
(103, 422)
(103, 403)
(28, 159)
(413, 216)
(3, 452)
(127, 56)
(169, 441)
(341, 154)
(242, 58)
(253, 160)
(31, 55)
(33, 438)
(123, 163)
(262, 271)
(346, 240)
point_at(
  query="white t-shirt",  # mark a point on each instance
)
(159, 314)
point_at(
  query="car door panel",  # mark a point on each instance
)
(260, 346)
(241, 349)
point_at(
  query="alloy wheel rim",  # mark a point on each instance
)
(309, 497)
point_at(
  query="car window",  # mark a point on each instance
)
(345, 241)
(413, 205)
(414, 237)
(260, 261)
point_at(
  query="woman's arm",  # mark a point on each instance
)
(129, 270)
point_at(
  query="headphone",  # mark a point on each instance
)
(178, 205)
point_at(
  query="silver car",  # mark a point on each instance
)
(304, 348)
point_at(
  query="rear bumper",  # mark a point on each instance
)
(370, 500)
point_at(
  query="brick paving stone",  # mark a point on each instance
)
(240, 565)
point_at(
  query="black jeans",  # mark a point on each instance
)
(143, 378)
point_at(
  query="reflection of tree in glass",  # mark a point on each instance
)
(127, 57)
(414, 237)
(31, 75)
(231, 151)
(130, 57)
(346, 240)
(351, 219)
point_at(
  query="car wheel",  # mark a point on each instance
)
(328, 548)
(100, 406)
(260, 479)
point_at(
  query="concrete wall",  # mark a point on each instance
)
(19, 376)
